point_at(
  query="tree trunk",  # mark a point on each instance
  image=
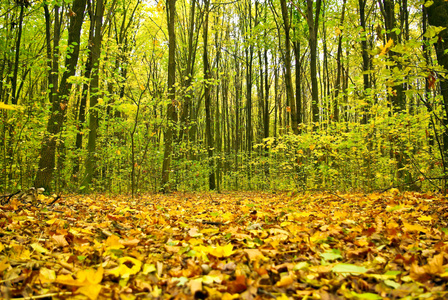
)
(338, 85)
(207, 96)
(387, 9)
(171, 109)
(94, 95)
(59, 99)
(288, 75)
(438, 16)
(14, 97)
(365, 56)
(313, 25)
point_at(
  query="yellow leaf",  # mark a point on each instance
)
(285, 281)
(410, 227)
(337, 31)
(52, 221)
(46, 275)
(95, 277)
(312, 147)
(20, 253)
(228, 296)
(222, 251)
(91, 291)
(1, 247)
(4, 265)
(386, 48)
(113, 242)
(38, 248)
(283, 297)
(255, 255)
(148, 268)
(362, 242)
(6, 106)
(156, 292)
(425, 218)
(123, 270)
(68, 280)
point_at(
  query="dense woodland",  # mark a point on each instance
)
(129, 96)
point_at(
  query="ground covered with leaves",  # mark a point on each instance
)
(225, 246)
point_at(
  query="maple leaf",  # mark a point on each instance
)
(113, 242)
(123, 270)
(91, 291)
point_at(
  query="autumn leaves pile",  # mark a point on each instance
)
(227, 246)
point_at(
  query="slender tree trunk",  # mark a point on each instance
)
(188, 73)
(171, 110)
(59, 97)
(313, 25)
(94, 95)
(14, 97)
(298, 82)
(288, 75)
(84, 93)
(365, 56)
(208, 114)
(387, 9)
(338, 85)
(438, 16)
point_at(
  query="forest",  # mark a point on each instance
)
(144, 96)
(223, 149)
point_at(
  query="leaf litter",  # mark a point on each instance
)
(226, 246)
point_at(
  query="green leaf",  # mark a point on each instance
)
(332, 254)
(301, 265)
(182, 280)
(149, 268)
(38, 248)
(367, 296)
(349, 268)
(392, 284)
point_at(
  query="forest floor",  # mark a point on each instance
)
(225, 246)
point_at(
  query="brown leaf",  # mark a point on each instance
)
(238, 285)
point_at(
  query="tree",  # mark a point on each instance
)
(171, 109)
(313, 25)
(438, 16)
(58, 93)
(288, 76)
(207, 96)
(365, 54)
(94, 95)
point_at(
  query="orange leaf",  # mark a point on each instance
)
(237, 286)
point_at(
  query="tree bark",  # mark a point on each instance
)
(288, 74)
(313, 25)
(207, 96)
(94, 95)
(14, 96)
(438, 16)
(171, 109)
(59, 99)
(338, 85)
(365, 56)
